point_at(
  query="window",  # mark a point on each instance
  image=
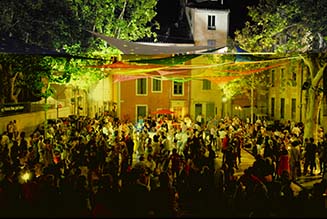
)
(282, 108)
(156, 85)
(141, 86)
(206, 84)
(178, 88)
(211, 43)
(211, 22)
(272, 78)
(272, 109)
(293, 114)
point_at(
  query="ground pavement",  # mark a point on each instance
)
(247, 160)
(306, 181)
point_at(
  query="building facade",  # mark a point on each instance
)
(140, 97)
(209, 27)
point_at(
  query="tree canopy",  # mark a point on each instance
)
(292, 28)
(288, 26)
(59, 24)
(63, 25)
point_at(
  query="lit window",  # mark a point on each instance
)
(178, 88)
(211, 22)
(141, 86)
(156, 85)
(206, 84)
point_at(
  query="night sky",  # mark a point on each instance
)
(168, 12)
(238, 13)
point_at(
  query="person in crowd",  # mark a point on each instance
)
(199, 119)
(165, 198)
(310, 156)
(176, 163)
(84, 171)
(23, 144)
(137, 188)
(323, 155)
(295, 159)
(11, 130)
(283, 161)
(225, 145)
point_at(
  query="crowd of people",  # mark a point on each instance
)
(157, 167)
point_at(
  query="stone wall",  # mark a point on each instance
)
(29, 121)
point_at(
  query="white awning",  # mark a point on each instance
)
(138, 48)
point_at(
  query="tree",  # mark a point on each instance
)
(76, 73)
(292, 28)
(21, 77)
(66, 24)
(245, 86)
(63, 25)
(65, 28)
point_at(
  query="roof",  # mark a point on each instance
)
(205, 4)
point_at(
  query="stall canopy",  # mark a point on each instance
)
(167, 62)
(215, 72)
(140, 48)
(163, 112)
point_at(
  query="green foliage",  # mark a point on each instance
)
(285, 27)
(39, 22)
(63, 25)
(75, 72)
(240, 86)
(22, 72)
(60, 24)
(292, 28)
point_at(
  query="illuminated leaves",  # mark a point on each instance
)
(282, 27)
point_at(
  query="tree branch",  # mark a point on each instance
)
(317, 79)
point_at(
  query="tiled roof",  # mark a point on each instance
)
(206, 4)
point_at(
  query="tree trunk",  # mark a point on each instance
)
(14, 92)
(315, 75)
(311, 117)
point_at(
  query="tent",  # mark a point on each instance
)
(140, 48)
(163, 112)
